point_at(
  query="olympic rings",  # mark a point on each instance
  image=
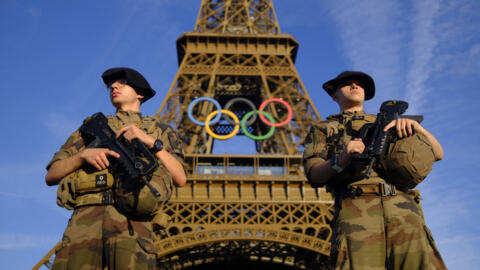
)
(220, 137)
(258, 138)
(195, 101)
(289, 117)
(246, 101)
(246, 120)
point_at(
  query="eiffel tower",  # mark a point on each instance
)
(240, 211)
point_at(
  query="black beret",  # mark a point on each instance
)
(134, 79)
(366, 81)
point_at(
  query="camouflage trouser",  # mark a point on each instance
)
(99, 237)
(373, 232)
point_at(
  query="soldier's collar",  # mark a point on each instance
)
(346, 114)
(129, 116)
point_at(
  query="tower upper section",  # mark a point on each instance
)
(237, 17)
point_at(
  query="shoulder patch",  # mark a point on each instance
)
(148, 122)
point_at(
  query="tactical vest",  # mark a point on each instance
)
(87, 186)
(407, 162)
(340, 130)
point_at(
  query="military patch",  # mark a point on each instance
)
(73, 141)
(175, 143)
(101, 180)
(79, 144)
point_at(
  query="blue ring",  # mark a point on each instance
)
(195, 101)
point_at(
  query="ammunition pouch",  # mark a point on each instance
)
(90, 180)
(409, 161)
(137, 200)
(84, 187)
(66, 193)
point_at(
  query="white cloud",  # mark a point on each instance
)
(10, 194)
(461, 251)
(421, 51)
(448, 213)
(20, 241)
(407, 47)
(373, 36)
(34, 11)
(23, 183)
(466, 63)
(60, 125)
(20, 170)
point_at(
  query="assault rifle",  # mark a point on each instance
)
(136, 162)
(378, 141)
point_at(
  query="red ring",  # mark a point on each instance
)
(290, 112)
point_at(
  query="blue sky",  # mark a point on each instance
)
(52, 54)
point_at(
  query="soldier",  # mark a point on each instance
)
(99, 234)
(376, 224)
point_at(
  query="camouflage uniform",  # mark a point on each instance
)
(370, 231)
(100, 236)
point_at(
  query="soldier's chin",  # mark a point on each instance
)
(358, 98)
(115, 103)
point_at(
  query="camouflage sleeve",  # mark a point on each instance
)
(315, 149)
(171, 143)
(72, 146)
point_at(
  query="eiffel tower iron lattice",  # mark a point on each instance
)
(238, 210)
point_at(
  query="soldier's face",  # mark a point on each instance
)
(350, 91)
(122, 94)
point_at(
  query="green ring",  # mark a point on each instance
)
(257, 138)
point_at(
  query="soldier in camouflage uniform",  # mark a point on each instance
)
(98, 235)
(376, 226)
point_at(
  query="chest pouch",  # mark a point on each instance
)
(81, 182)
(91, 180)
(66, 193)
(348, 131)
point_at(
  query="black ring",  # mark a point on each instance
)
(246, 101)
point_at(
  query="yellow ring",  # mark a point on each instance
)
(222, 137)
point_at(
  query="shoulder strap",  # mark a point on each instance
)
(370, 117)
(331, 126)
(148, 123)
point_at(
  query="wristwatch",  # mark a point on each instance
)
(157, 146)
(334, 164)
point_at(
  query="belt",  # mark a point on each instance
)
(98, 198)
(380, 189)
